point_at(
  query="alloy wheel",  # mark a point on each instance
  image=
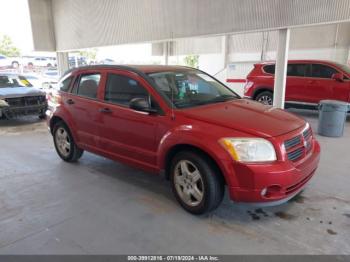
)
(266, 100)
(63, 141)
(189, 183)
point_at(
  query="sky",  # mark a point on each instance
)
(15, 22)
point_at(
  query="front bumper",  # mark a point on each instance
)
(275, 183)
(14, 111)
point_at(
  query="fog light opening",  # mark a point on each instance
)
(263, 192)
(272, 191)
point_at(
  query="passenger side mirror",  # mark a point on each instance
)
(338, 77)
(141, 104)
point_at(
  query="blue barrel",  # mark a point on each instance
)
(332, 117)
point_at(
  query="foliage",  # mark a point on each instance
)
(7, 47)
(191, 60)
(89, 53)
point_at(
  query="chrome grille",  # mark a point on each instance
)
(307, 134)
(295, 154)
(307, 138)
(25, 101)
(298, 146)
(290, 143)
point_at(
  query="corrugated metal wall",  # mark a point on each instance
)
(42, 25)
(91, 23)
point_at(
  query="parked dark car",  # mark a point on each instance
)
(184, 123)
(19, 97)
(308, 82)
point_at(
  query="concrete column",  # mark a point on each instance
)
(62, 62)
(224, 51)
(281, 68)
(166, 47)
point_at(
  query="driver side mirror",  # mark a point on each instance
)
(338, 77)
(141, 104)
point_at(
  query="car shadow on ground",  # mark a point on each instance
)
(157, 190)
(21, 124)
(309, 210)
(20, 121)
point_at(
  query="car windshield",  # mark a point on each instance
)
(191, 88)
(13, 81)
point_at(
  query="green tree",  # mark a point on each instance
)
(191, 60)
(89, 53)
(7, 47)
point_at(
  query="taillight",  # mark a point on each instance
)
(54, 99)
(248, 85)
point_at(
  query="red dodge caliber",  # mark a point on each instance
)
(184, 123)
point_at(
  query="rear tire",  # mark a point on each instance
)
(265, 97)
(196, 184)
(64, 143)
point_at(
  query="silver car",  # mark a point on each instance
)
(19, 97)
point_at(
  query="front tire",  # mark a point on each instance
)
(64, 143)
(196, 183)
(42, 116)
(265, 97)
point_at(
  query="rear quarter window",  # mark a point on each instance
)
(65, 84)
(269, 69)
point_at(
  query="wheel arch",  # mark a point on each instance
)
(259, 90)
(53, 121)
(170, 154)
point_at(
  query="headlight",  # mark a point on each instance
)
(249, 149)
(3, 103)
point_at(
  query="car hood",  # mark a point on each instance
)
(247, 116)
(10, 92)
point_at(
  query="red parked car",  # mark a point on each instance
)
(184, 123)
(308, 82)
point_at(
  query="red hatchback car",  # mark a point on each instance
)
(184, 123)
(308, 82)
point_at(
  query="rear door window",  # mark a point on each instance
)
(322, 71)
(297, 70)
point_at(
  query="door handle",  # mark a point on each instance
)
(70, 102)
(105, 110)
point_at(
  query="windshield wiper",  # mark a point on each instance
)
(218, 99)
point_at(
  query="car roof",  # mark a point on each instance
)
(309, 61)
(146, 69)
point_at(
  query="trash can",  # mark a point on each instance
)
(332, 117)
